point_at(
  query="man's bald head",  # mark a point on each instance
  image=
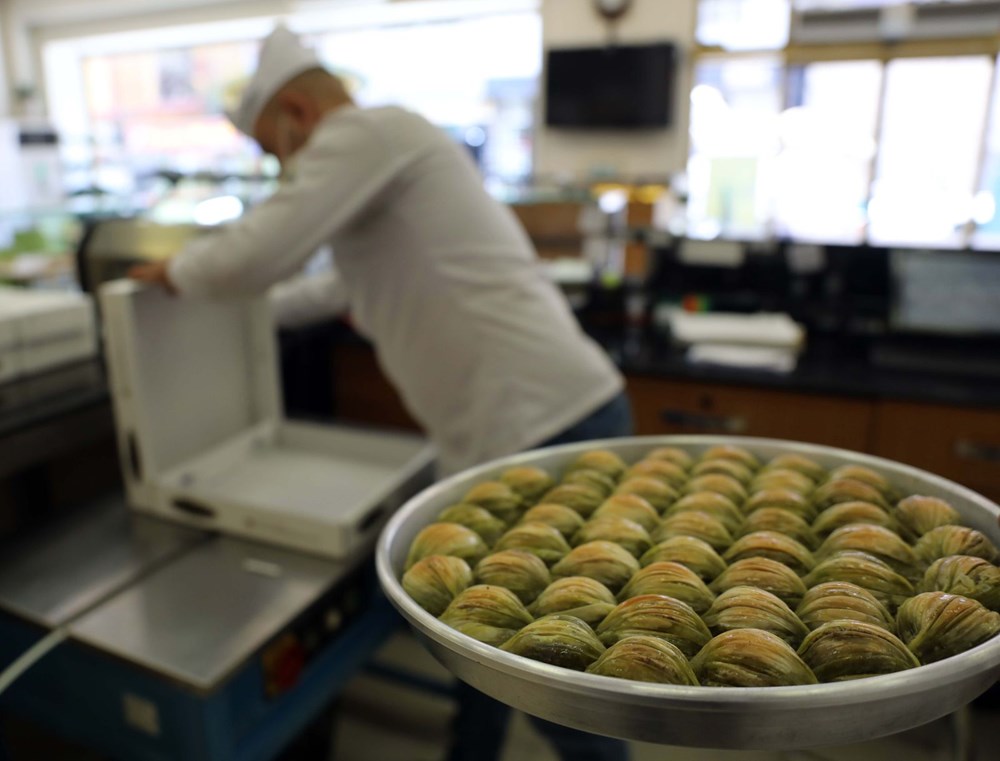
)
(292, 113)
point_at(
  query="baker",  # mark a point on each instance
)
(483, 350)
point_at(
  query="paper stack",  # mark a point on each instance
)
(763, 341)
(40, 330)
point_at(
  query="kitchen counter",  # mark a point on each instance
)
(939, 420)
(828, 366)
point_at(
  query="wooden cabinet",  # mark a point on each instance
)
(688, 407)
(362, 393)
(554, 227)
(959, 443)
(962, 444)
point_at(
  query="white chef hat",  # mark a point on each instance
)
(282, 58)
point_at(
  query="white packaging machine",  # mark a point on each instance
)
(204, 440)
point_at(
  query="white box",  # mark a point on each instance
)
(40, 330)
(204, 441)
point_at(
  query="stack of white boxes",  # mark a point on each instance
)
(41, 330)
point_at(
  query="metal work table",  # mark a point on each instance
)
(200, 617)
(180, 644)
(66, 569)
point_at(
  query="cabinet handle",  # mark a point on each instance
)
(193, 508)
(726, 424)
(134, 456)
(973, 450)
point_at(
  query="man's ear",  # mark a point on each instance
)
(297, 104)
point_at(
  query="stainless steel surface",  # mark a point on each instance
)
(750, 718)
(200, 617)
(53, 576)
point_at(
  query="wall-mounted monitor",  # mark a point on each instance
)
(613, 87)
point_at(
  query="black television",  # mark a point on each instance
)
(612, 87)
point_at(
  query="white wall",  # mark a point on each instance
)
(5, 82)
(569, 23)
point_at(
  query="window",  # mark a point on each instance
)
(842, 5)
(984, 209)
(154, 101)
(165, 108)
(128, 112)
(743, 24)
(734, 119)
(480, 84)
(883, 129)
(827, 134)
(933, 120)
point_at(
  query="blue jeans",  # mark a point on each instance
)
(481, 722)
(611, 420)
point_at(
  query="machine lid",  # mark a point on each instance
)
(187, 375)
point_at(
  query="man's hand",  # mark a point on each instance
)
(155, 273)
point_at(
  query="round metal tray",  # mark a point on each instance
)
(711, 717)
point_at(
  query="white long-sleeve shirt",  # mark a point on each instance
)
(483, 349)
(307, 299)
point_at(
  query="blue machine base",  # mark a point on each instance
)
(84, 695)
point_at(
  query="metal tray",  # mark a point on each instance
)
(771, 718)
